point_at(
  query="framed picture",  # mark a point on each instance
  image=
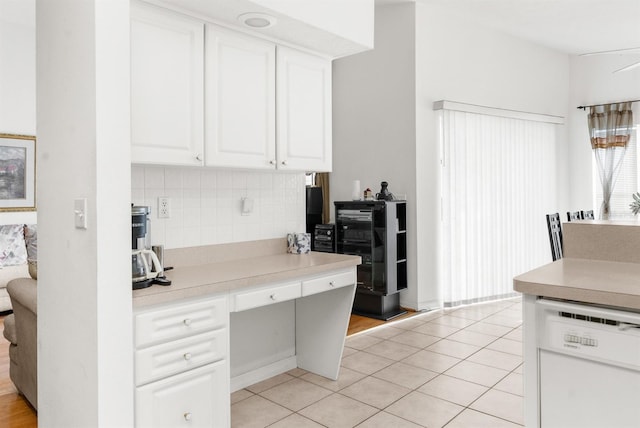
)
(17, 172)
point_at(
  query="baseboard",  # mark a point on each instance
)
(263, 373)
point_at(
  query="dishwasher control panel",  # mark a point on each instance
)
(582, 340)
(600, 334)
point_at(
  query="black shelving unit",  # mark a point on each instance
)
(375, 231)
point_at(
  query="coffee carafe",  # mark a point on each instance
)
(146, 268)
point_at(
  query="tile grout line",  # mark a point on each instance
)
(380, 340)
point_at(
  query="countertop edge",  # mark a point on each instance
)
(616, 285)
(161, 295)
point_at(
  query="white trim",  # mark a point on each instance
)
(263, 373)
(492, 111)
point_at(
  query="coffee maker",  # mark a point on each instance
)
(146, 268)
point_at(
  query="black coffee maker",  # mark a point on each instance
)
(146, 268)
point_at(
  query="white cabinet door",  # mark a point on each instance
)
(166, 87)
(240, 100)
(303, 111)
(197, 398)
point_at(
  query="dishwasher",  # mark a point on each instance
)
(589, 365)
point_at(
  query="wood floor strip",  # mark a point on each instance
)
(15, 410)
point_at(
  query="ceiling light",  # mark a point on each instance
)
(257, 20)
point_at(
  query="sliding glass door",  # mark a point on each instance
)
(498, 182)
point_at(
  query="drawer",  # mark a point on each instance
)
(180, 355)
(328, 282)
(179, 320)
(266, 296)
(197, 398)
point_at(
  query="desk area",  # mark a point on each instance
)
(234, 315)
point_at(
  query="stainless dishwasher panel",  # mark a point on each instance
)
(589, 366)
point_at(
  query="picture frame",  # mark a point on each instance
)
(17, 172)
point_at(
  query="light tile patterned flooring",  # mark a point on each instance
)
(447, 368)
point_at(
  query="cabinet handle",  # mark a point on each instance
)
(199, 157)
(273, 297)
(272, 162)
(187, 321)
(284, 162)
(331, 283)
(187, 416)
(187, 356)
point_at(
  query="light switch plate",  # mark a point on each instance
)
(247, 206)
(80, 213)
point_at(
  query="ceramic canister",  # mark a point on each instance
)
(299, 243)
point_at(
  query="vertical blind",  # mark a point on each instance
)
(498, 182)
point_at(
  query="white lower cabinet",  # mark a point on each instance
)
(196, 398)
(182, 364)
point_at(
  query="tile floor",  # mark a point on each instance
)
(447, 368)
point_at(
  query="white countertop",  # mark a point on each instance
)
(232, 275)
(592, 281)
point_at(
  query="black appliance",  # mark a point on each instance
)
(146, 268)
(375, 231)
(324, 238)
(314, 210)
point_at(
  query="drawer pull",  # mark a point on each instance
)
(331, 283)
(187, 416)
(187, 356)
(187, 321)
(273, 297)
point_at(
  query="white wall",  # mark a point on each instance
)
(374, 128)
(354, 20)
(385, 127)
(593, 82)
(85, 343)
(206, 204)
(17, 79)
(462, 61)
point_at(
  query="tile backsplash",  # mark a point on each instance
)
(206, 204)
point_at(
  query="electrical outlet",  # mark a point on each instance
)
(164, 207)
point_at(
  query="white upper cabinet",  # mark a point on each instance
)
(167, 55)
(240, 100)
(304, 111)
(223, 98)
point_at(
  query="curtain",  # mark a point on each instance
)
(498, 182)
(322, 180)
(610, 128)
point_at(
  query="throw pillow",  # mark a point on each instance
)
(13, 249)
(31, 241)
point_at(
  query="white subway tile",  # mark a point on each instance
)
(153, 177)
(206, 204)
(239, 180)
(191, 179)
(253, 180)
(224, 180)
(191, 237)
(173, 178)
(137, 177)
(174, 238)
(209, 179)
(208, 235)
